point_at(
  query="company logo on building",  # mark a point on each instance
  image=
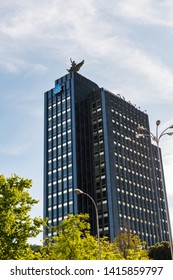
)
(57, 89)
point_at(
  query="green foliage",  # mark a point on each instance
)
(16, 225)
(130, 246)
(160, 251)
(109, 251)
(35, 247)
(73, 241)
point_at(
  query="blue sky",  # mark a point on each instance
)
(127, 46)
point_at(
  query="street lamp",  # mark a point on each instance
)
(157, 138)
(78, 191)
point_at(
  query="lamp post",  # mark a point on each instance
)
(78, 191)
(157, 138)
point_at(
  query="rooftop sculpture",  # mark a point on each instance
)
(75, 67)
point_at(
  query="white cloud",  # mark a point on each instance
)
(152, 69)
(57, 29)
(48, 28)
(15, 65)
(11, 65)
(153, 12)
(141, 68)
(52, 17)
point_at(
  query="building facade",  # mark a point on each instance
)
(90, 143)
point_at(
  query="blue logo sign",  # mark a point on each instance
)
(57, 89)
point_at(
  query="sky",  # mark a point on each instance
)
(127, 47)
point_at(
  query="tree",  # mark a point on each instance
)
(109, 251)
(160, 251)
(73, 241)
(16, 225)
(130, 246)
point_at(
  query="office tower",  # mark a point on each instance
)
(90, 143)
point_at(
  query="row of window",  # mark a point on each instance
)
(127, 111)
(133, 207)
(54, 99)
(136, 219)
(58, 126)
(59, 163)
(60, 213)
(137, 146)
(58, 112)
(53, 200)
(60, 167)
(59, 101)
(60, 139)
(126, 192)
(69, 155)
(59, 153)
(60, 184)
(139, 233)
(61, 173)
(60, 119)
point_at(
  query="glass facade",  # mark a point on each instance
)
(134, 171)
(90, 143)
(99, 165)
(135, 183)
(58, 155)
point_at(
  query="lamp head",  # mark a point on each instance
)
(169, 133)
(78, 191)
(158, 122)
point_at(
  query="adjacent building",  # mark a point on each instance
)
(90, 143)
